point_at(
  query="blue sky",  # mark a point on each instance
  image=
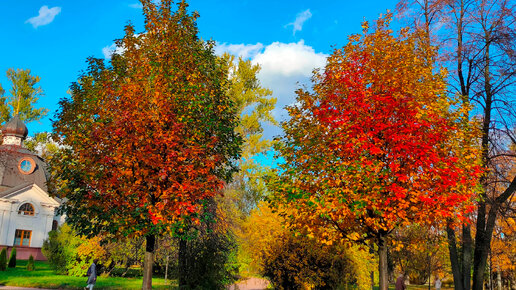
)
(287, 38)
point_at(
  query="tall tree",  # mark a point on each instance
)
(148, 139)
(377, 145)
(478, 38)
(254, 105)
(23, 95)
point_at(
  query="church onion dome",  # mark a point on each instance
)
(15, 127)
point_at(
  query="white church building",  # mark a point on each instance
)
(27, 212)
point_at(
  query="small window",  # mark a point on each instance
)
(22, 238)
(54, 225)
(26, 209)
(26, 165)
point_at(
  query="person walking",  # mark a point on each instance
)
(92, 275)
(400, 282)
(438, 283)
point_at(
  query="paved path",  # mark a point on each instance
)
(250, 284)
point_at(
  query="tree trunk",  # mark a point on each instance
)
(429, 269)
(166, 270)
(482, 244)
(148, 262)
(483, 235)
(490, 272)
(382, 265)
(454, 258)
(467, 252)
(498, 278)
(372, 280)
(182, 257)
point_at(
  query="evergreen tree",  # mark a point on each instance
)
(12, 259)
(30, 264)
(3, 260)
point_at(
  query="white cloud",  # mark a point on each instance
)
(109, 50)
(136, 5)
(300, 20)
(44, 17)
(286, 67)
(240, 50)
(289, 59)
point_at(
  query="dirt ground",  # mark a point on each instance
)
(250, 284)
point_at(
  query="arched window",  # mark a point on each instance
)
(26, 209)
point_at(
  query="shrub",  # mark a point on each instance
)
(294, 262)
(300, 263)
(210, 260)
(30, 264)
(61, 249)
(12, 259)
(70, 254)
(55, 253)
(3, 260)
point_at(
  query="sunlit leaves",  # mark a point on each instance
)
(150, 136)
(21, 97)
(378, 143)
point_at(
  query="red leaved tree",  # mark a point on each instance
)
(378, 144)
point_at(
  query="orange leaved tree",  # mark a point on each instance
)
(378, 144)
(149, 138)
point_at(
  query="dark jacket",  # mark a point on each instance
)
(400, 283)
(92, 274)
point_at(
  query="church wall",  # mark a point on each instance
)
(5, 217)
(39, 224)
(23, 178)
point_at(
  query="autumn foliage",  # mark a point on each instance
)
(503, 245)
(149, 137)
(419, 252)
(503, 249)
(378, 143)
(293, 261)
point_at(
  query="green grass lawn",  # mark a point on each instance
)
(44, 277)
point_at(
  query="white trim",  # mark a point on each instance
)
(8, 223)
(46, 200)
(9, 200)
